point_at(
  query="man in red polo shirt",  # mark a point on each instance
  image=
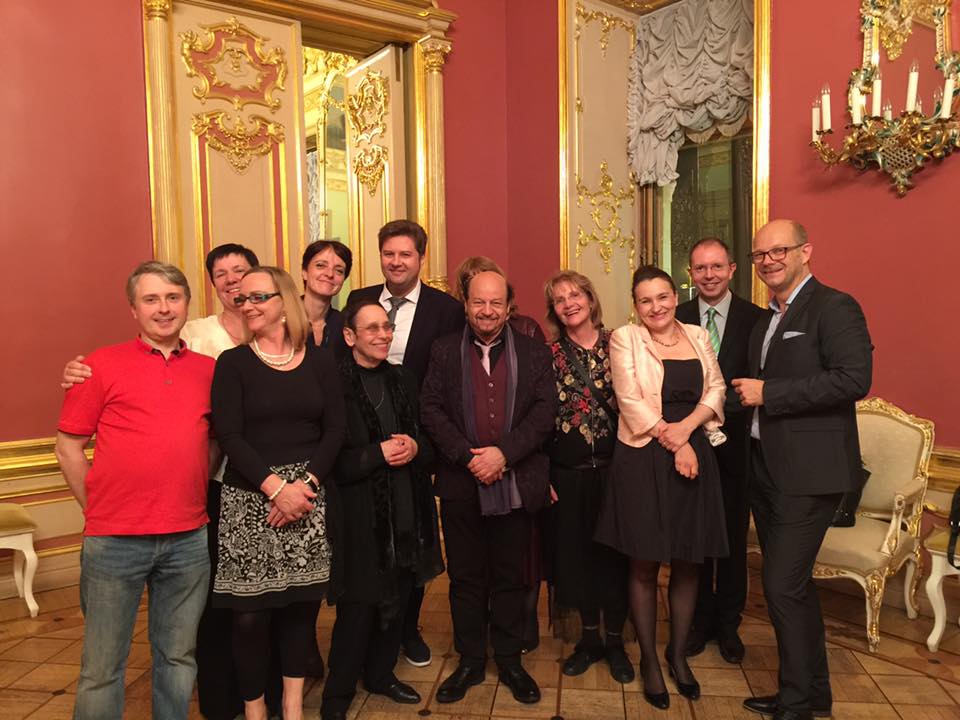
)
(143, 497)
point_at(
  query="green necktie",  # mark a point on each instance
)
(712, 329)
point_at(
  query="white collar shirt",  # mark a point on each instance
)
(720, 317)
(403, 321)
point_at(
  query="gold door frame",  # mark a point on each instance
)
(360, 28)
(647, 223)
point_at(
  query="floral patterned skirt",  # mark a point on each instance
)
(261, 567)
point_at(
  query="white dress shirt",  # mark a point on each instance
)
(720, 317)
(403, 322)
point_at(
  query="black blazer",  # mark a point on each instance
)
(436, 314)
(534, 414)
(812, 380)
(743, 315)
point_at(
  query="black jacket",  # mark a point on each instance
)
(812, 380)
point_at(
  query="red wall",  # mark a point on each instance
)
(74, 193)
(502, 136)
(895, 255)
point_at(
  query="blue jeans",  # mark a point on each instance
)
(113, 571)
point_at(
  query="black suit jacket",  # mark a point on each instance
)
(812, 380)
(743, 315)
(436, 314)
(535, 410)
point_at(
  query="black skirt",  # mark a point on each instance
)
(651, 512)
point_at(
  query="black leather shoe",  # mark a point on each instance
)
(763, 704)
(731, 646)
(792, 715)
(582, 658)
(689, 690)
(523, 687)
(696, 642)
(661, 701)
(399, 692)
(458, 682)
(621, 669)
(769, 704)
(416, 651)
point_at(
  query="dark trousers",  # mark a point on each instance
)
(411, 621)
(791, 530)
(722, 592)
(361, 647)
(485, 561)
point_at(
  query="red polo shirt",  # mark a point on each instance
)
(151, 419)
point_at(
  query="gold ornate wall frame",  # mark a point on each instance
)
(358, 28)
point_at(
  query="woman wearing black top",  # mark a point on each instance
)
(589, 577)
(325, 267)
(278, 414)
(391, 542)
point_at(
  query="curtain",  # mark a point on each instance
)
(691, 75)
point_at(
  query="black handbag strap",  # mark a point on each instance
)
(954, 528)
(571, 354)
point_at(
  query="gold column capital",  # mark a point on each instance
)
(434, 52)
(157, 9)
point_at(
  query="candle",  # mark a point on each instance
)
(888, 111)
(877, 89)
(912, 83)
(856, 106)
(815, 117)
(919, 106)
(825, 108)
(946, 109)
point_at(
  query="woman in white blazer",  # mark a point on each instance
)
(663, 502)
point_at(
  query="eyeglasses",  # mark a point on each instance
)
(775, 253)
(255, 298)
(702, 269)
(386, 327)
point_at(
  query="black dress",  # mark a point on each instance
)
(649, 510)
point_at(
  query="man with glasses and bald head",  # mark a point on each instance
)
(810, 361)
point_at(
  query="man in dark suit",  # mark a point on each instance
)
(809, 364)
(489, 404)
(728, 320)
(420, 315)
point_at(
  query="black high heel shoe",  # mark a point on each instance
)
(660, 700)
(691, 691)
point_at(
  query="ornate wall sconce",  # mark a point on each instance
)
(898, 146)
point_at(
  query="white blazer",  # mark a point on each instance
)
(638, 380)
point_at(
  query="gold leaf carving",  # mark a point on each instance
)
(370, 163)
(607, 24)
(321, 68)
(367, 107)
(605, 203)
(896, 18)
(232, 64)
(239, 140)
(156, 9)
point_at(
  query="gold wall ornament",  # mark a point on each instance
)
(156, 9)
(367, 107)
(239, 141)
(895, 19)
(640, 7)
(369, 165)
(605, 203)
(434, 54)
(608, 23)
(232, 64)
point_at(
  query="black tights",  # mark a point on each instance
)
(682, 596)
(252, 632)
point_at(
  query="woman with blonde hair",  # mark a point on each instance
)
(589, 577)
(278, 414)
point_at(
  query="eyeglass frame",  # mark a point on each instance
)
(388, 327)
(758, 256)
(241, 300)
(702, 269)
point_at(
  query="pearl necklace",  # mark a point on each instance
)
(273, 360)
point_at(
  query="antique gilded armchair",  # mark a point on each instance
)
(896, 449)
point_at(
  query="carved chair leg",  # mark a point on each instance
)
(911, 583)
(938, 570)
(874, 590)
